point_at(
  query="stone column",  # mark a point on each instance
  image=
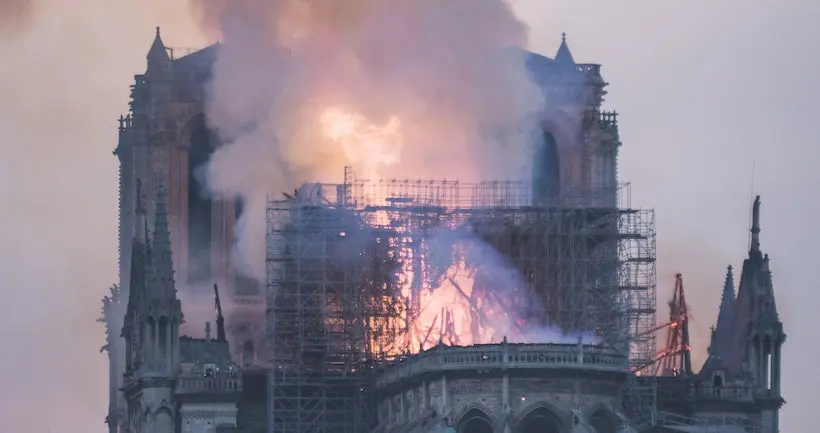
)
(444, 399)
(761, 364)
(506, 409)
(776, 368)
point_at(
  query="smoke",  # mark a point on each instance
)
(15, 15)
(466, 292)
(64, 79)
(511, 307)
(407, 88)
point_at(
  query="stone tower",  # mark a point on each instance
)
(758, 331)
(740, 381)
(165, 139)
(151, 327)
(575, 161)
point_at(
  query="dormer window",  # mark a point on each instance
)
(717, 379)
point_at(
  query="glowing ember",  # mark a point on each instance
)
(475, 299)
(448, 289)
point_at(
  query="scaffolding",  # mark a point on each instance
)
(348, 266)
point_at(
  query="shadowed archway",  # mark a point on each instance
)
(475, 421)
(540, 420)
(201, 147)
(546, 170)
(602, 421)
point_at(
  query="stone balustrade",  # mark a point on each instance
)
(730, 393)
(196, 384)
(506, 356)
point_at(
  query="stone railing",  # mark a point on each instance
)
(504, 357)
(191, 385)
(730, 393)
(708, 424)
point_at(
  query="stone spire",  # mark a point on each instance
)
(157, 57)
(727, 300)
(140, 269)
(161, 284)
(220, 319)
(564, 55)
(723, 330)
(754, 248)
(759, 334)
(158, 50)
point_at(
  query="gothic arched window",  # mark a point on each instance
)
(475, 421)
(540, 420)
(546, 170)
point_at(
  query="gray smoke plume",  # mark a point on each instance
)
(406, 88)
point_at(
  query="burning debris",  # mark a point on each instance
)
(363, 274)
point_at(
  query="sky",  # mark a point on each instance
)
(717, 102)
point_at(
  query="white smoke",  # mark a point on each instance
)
(487, 295)
(406, 88)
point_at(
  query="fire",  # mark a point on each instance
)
(463, 305)
(455, 303)
(368, 145)
(457, 313)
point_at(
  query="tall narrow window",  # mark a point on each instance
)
(199, 204)
(546, 171)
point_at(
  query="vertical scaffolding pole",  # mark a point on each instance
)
(315, 320)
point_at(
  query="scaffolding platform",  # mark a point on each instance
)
(348, 266)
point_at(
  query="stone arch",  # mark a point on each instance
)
(541, 417)
(555, 155)
(602, 419)
(146, 422)
(163, 420)
(474, 420)
(567, 131)
(546, 169)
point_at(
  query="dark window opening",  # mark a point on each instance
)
(602, 422)
(247, 354)
(546, 171)
(540, 420)
(199, 204)
(475, 421)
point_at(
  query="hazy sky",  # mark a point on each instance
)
(707, 90)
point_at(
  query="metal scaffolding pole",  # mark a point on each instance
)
(347, 266)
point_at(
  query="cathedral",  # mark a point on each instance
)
(176, 243)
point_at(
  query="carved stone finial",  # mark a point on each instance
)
(564, 37)
(157, 30)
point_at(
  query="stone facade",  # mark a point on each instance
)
(162, 382)
(171, 382)
(504, 387)
(165, 139)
